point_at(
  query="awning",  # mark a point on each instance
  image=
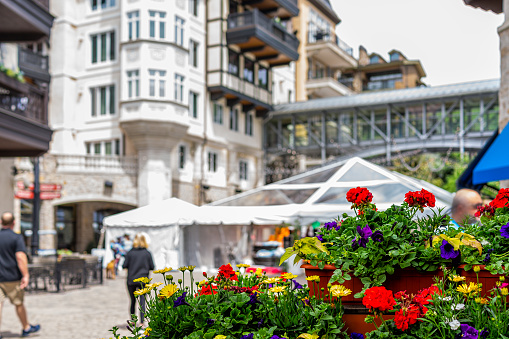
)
(494, 165)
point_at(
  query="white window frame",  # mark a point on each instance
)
(243, 170)
(157, 20)
(212, 162)
(218, 113)
(157, 83)
(182, 156)
(101, 94)
(179, 87)
(234, 119)
(193, 53)
(133, 25)
(193, 7)
(179, 30)
(193, 104)
(92, 147)
(102, 4)
(249, 124)
(133, 83)
(99, 38)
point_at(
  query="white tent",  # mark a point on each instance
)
(208, 235)
(160, 224)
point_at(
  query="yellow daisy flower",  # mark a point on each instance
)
(313, 278)
(504, 291)
(164, 270)
(141, 291)
(243, 266)
(271, 281)
(191, 268)
(154, 285)
(339, 291)
(277, 289)
(471, 288)
(502, 278)
(182, 269)
(259, 272)
(147, 331)
(167, 291)
(220, 336)
(144, 280)
(289, 276)
(456, 278)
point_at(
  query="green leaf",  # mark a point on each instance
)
(288, 253)
(321, 265)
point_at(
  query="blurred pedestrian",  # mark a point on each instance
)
(464, 206)
(14, 275)
(138, 262)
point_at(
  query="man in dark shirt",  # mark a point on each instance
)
(14, 272)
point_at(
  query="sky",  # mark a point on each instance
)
(454, 42)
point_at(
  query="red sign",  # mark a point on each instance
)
(23, 194)
(42, 187)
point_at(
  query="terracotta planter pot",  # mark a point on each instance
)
(487, 279)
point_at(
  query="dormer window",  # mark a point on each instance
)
(395, 57)
(375, 59)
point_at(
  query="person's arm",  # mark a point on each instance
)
(22, 260)
(151, 263)
(126, 262)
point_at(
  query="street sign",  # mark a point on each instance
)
(42, 187)
(23, 194)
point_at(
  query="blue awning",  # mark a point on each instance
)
(494, 165)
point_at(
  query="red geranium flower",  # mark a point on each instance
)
(420, 199)
(486, 210)
(359, 196)
(406, 316)
(378, 298)
(227, 272)
(208, 289)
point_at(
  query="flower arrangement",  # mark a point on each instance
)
(373, 244)
(451, 308)
(236, 304)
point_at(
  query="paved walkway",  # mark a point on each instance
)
(78, 314)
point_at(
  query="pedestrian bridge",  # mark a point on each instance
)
(459, 117)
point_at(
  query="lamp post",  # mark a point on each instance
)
(35, 208)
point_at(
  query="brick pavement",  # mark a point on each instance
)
(80, 313)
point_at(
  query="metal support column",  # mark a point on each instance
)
(323, 146)
(389, 135)
(34, 247)
(462, 129)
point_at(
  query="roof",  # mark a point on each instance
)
(325, 7)
(488, 5)
(381, 98)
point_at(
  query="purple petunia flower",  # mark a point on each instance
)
(484, 334)
(330, 225)
(275, 336)
(320, 237)
(211, 321)
(253, 299)
(181, 300)
(297, 286)
(504, 231)
(260, 323)
(447, 251)
(377, 236)
(354, 244)
(355, 335)
(365, 234)
(468, 332)
(247, 336)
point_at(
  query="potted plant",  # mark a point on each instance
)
(401, 248)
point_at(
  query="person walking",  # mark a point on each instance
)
(14, 275)
(138, 262)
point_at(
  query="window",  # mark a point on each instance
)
(106, 147)
(156, 83)
(218, 113)
(289, 95)
(234, 119)
(156, 30)
(193, 104)
(179, 87)
(193, 53)
(249, 124)
(179, 30)
(243, 170)
(102, 100)
(249, 70)
(133, 25)
(212, 163)
(233, 62)
(263, 77)
(193, 7)
(395, 57)
(375, 59)
(102, 4)
(182, 156)
(103, 47)
(133, 84)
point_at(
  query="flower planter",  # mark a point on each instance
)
(488, 280)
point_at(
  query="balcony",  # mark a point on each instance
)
(284, 9)
(266, 39)
(325, 87)
(330, 50)
(33, 65)
(24, 20)
(95, 164)
(24, 127)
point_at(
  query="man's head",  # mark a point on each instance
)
(7, 220)
(464, 205)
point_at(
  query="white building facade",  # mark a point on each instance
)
(152, 99)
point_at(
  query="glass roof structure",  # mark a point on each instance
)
(327, 187)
